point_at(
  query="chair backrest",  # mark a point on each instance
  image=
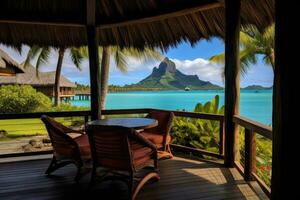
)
(110, 147)
(63, 145)
(164, 119)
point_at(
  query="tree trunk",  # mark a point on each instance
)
(104, 75)
(61, 53)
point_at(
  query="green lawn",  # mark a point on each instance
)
(29, 127)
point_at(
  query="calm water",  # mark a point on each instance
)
(256, 105)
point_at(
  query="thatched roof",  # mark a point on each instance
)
(10, 64)
(159, 23)
(30, 78)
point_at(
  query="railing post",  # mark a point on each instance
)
(86, 119)
(250, 154)
(221, 136)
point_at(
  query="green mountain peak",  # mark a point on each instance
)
(166, 76)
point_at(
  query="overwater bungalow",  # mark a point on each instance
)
(41, 81)
(160, 24)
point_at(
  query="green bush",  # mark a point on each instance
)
(22, 99)
(68, 107)
(198, 133)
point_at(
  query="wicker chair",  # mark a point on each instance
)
(160, 135)
(120, 153)
(66, 150)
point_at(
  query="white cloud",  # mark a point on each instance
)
(135, 64)
(206, 70)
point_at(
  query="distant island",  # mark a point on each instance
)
(167, 77)
(256, 87)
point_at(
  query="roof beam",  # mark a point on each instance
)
(161, 16)
(111, 23)
(91, 12)
(48, 23)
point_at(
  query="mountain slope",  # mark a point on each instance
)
(256, 87)
(166, 76)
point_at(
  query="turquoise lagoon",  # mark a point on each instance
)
(255, 104)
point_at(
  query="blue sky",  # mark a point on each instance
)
(189, 60)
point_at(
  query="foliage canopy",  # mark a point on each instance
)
(22, 99)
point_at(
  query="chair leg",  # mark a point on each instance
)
(93, 176)
(169, 150)
(78, 174)
(130, 186)
(155, 161)
(142, 182)
(54, 165)
(51, 166)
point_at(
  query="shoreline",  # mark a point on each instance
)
(174, 90)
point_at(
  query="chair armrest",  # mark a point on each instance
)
(142, 140)
(66, 129)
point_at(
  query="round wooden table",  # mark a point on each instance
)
(136, 123)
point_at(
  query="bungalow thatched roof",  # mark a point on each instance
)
(7, 62)
(134, 23)
(29, 77)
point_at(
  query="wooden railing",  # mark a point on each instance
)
(86, 115)
(251, 129)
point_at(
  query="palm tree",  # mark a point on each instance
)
(254, 43)
(120, 56)
(43, 53)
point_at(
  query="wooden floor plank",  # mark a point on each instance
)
(181, 179)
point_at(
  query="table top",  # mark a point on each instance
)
(136, 123)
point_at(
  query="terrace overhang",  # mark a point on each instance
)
(131, 23)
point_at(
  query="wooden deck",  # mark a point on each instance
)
(180, 179)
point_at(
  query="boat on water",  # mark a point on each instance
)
(187, 89)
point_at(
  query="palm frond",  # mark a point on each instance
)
(100, 51)
(31, 54)
(84, 51)
(43, 57)
(220, 58)
(152, 54)
(120, 59)
(76, 56)
(267, 60)
(17, 48)
(269, 35)
(247, 58)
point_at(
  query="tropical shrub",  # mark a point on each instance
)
(22, 99)
(68, 107)
(199, 133)
(204, 134)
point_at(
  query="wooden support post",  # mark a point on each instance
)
(232, 79)
(285, 105)
(93, 59)
(250, 155)
(94, 73)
